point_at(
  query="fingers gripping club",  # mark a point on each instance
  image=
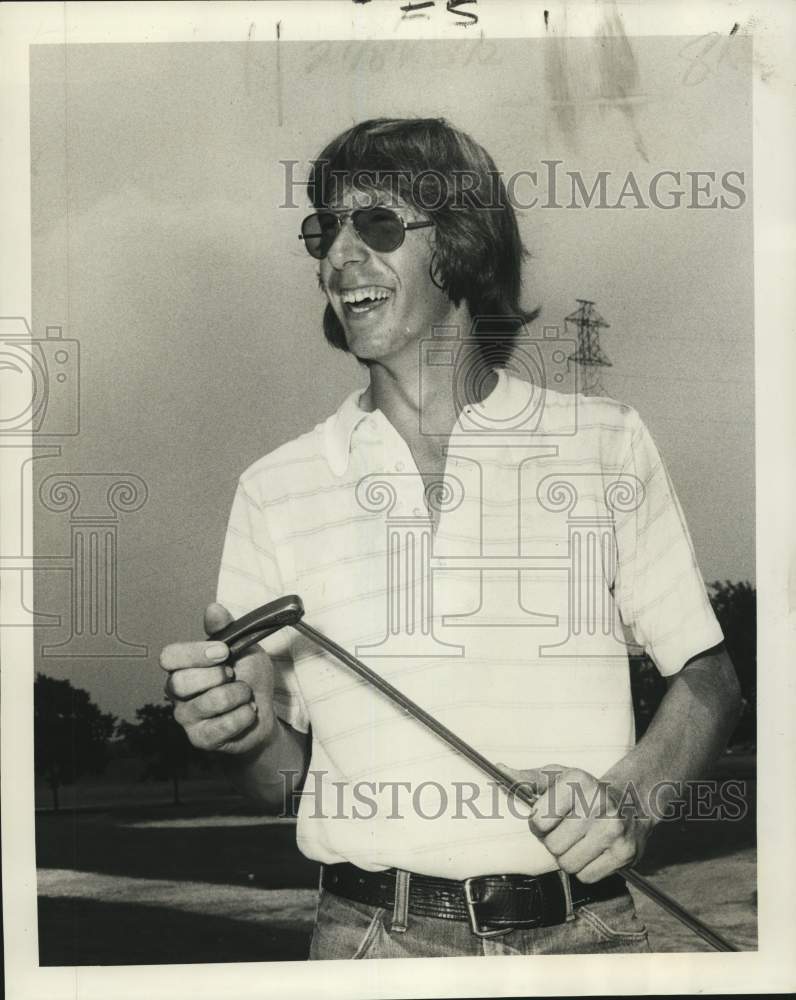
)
(264, 621)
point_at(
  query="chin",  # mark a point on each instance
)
(370, 347)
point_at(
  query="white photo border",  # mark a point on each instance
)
(773, 966)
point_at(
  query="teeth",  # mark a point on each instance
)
(353, 295)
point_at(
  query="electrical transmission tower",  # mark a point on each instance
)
(589, 355)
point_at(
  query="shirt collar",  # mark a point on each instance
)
(338, 430)
(340, 426)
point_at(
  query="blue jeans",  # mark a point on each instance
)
(344, 929)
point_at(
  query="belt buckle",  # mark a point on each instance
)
(474, 926)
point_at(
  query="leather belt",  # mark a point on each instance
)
(492, 904)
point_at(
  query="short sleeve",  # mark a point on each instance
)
(660, 590)
(250, 576)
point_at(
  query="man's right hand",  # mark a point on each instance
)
(220, 707)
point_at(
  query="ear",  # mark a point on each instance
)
(435, 274)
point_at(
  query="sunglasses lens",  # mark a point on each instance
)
(319, 232)
(380, 228)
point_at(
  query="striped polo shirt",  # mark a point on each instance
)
(559, 534)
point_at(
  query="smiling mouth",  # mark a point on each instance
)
(365, 299)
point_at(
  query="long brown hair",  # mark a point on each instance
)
(448, 177)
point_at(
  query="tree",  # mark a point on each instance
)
(162, 744)
(735, 607)
(648, 687)
(71, 734)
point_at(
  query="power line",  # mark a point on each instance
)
(589, 355)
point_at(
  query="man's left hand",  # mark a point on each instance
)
(583, 821)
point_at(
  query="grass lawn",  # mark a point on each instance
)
(125, 879)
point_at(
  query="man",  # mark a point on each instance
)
(453, 526)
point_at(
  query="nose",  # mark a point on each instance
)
(347, 248)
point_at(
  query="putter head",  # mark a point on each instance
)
(256, 625)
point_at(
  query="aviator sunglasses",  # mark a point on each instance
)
(379, 228)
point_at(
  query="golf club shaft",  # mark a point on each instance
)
(666, 902)
(511, 786)
(411, 708)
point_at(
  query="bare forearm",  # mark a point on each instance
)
(270, 773)
(689, 731)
